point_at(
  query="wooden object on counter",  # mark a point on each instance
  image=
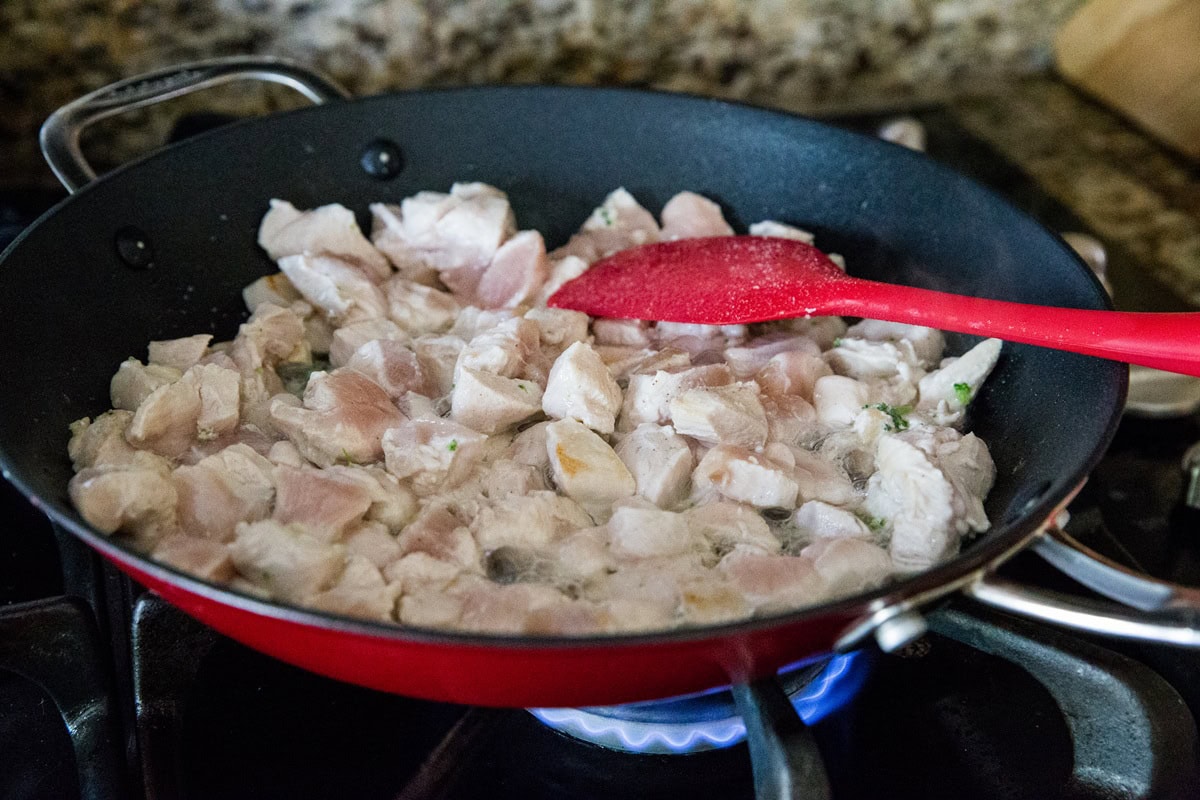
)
(1141, 57)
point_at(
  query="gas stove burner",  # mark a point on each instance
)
(705, 721)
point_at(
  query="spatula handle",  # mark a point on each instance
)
(1166, 341)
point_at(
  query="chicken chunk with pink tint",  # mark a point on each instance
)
(137, 498)
(730, 414)
(660, 461)
(218, 492)
(648, 397)
(688, 215)
(323, 503)
(517, 271)
(432, 454)
(773, 582)
(492, 403)
(134, 381)
(618, 223)
(419, 309)
(746, 477)
(334, 286)
(101, 442)
(331, 229)
(181, 354)
(849, 566)
(389, 363)
(285, 560)
(580, 387)
(206, 559)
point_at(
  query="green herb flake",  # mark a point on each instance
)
(874, 523)
(347, 458)
(897, 414)
(963, 392)
(837, 342)
(453, 445)
(521, 386)
(606, 215)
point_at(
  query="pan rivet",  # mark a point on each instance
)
(382, 159)
(133, 247)
(898, 631)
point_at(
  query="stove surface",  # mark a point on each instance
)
(984, 706)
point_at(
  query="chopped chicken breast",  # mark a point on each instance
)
(585, 468)
(343, 418)
(332, 229)
(580, 387)
(688, 215)
(660, 461)
(434, 454)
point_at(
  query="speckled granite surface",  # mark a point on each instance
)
(803, 55)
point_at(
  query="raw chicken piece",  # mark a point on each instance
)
(389, 363)
(585, 555)
(271, 335)
(570, 618)
(392, 504)
(491, 403)
(793, 373)
(492, 608)
(517, 272)
(558, 328)
(343, 418)
(619, 223)
(201, 404)
(710, 600)
(647, 532)
(335, 287)
(866, 360)
(285, 560)
(419, 309)
(849, 566)
(529, 447)
(585, 468)
(505, 478)
(181, 354)
(648, 397)
(214, 495)
(927, 343)
(625, 361)
(790, 419)
(562, 269)
(780, 231)
(101, 443)
(321, 502)
(747, 477)
(201, 558)
(773, 583)
(724, 526)
(628, 332)
(436, 454)
(533, 521)
(360, 591)
(821, 520)
(748, 358)
(688, 215)
(220, 395)
(274, 288)
(387, 234)
(660, 461)
(371, 541)
(438, 356)
(729, 415)
(133, 382)
(946, 392)
(436, 533)
(821, 479)
(348, 338)
(838, 399)
(505, 350)
(332, 229)
(580, 387)
(136, 498)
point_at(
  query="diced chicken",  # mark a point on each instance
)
(647, 532)
(648, 396)
(136, 497)
(838, 399)
(491, 403)
(101, 443)
(492, 608)
(505, 350)
(822, 330)
(218, 492)
(585, 468)
(752, 356)
(558, 328)
(585, 555)
(533, 521)
(202, 404)
(570, 618)
(866, 360)
(793, 374)
(203, 558)
(625, 361)
(437, 356)
(387, 234)
(849, 566)
(372, 541)
(134, 382)
(774, 582)
(927, 343)
(747, 477)
(348, 338)
(721, 415)
(516, 273)
(710, 600)
(724, 526)
(419, 309)
(660, 461)
(392, 505)
(275, 289)
(436, 454)
(562, 269)
(360, 591)
(945, 393)
(619, 223)
(529, 447)
(342, 292)
(271, 335)
(331, 229)
(220, 397)
(181, 354)
(654, 581)
(321, 502)
(391, 364)
(628, 332)
(343, 418)
(821, 479)
(790, 419)
(695, 337)
(820, 520)
(438, 534)
(506, 477)
(580, 387)
(688, 215)
(285, 560)
(780, 231)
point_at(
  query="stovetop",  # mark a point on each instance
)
(138, 701)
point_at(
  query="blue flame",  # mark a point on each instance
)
(830, 690)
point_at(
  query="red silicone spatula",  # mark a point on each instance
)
(737, 279)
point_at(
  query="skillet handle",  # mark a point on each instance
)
(1152, 610)
(60, 133)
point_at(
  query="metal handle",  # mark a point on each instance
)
(1153, 610)
(60, 133)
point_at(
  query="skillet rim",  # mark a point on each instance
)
(988, 550)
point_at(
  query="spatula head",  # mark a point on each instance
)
(723, 280)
